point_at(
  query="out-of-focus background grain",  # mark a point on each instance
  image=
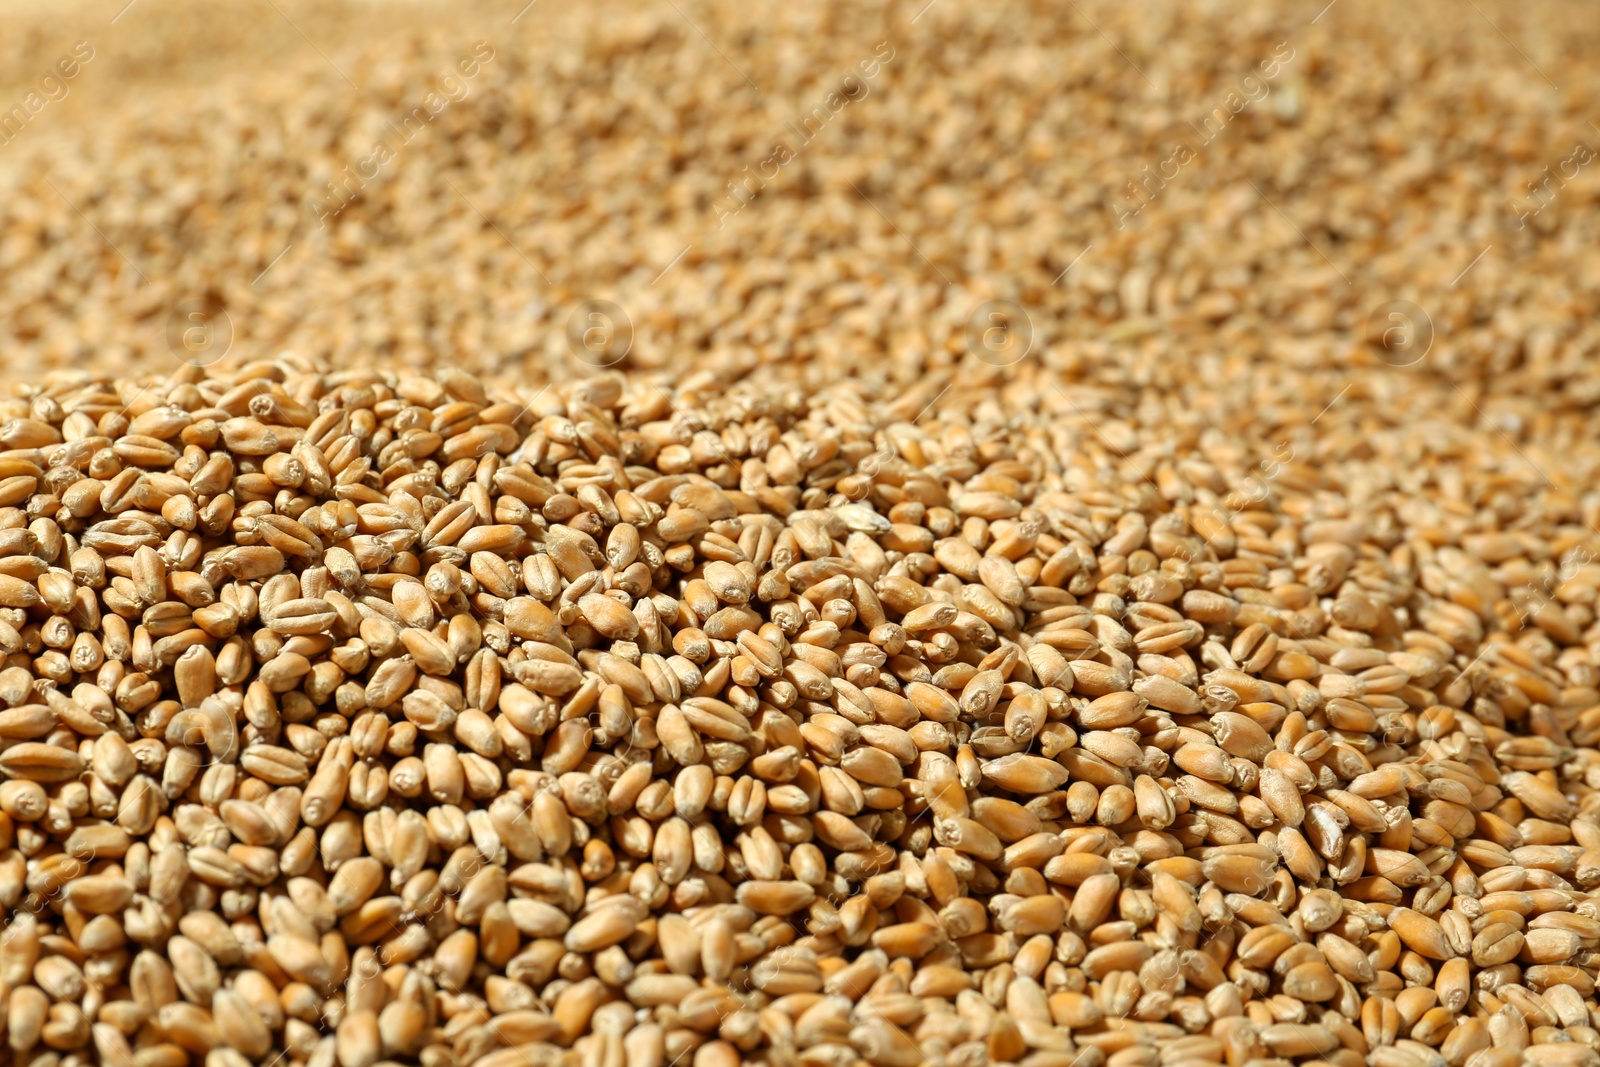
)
(1389, 158)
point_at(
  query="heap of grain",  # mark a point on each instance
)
(354, 718)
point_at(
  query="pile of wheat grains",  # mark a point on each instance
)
(356, 717)
(1088, 558)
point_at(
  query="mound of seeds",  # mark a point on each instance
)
(355, 718)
